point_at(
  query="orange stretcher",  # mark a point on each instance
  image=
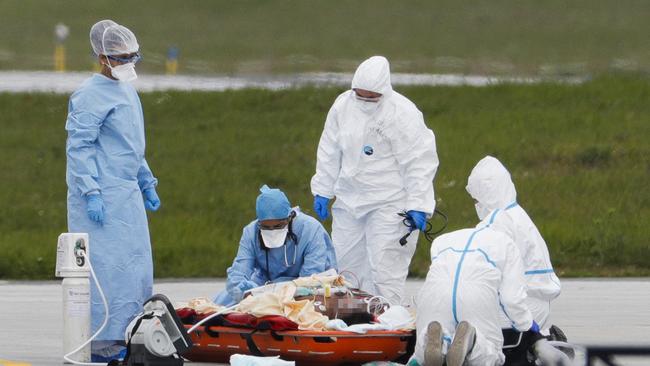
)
(218, 343)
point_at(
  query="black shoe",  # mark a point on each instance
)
(462, 344)
(433, 346)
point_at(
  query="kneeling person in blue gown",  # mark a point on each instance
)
(280, 245)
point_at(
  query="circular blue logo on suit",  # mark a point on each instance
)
(368, 150)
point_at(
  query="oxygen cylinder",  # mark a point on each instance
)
(72, 252)
(76, 316)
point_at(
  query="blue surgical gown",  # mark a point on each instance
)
(105, 155)
(313, 254)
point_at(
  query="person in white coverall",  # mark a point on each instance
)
(492, 188)
(474, 273)
(378, 158)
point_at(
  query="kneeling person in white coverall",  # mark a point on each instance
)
(378, 158)
(491, 187)
(458, 316)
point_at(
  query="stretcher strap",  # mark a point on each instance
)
(276, 336)
(210, 332)
(252, 347)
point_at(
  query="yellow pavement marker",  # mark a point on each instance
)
(13, 363)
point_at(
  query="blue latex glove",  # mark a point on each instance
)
(535, 327)
(151, 200)
(243, 286)
(320, 207)
(247, 285)
(95, 208)
(418, 218)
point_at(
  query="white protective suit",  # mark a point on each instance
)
(491, 185)
(474, 274)
(377, 159)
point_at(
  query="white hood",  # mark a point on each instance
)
(373, 75)
(490, 184)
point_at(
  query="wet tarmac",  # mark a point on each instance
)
(65, 83)
(590, 311)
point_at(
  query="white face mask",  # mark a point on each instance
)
(124, 72)
(274, 238)
(366, 106)
(481, 210)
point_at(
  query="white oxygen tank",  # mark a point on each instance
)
(76, 317)
(72, 253)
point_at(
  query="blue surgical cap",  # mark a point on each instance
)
(272, 204)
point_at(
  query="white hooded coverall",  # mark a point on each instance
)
(474, 274)
(377, 159)
(491, 185)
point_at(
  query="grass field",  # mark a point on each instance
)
(553, 37)
(579, 155)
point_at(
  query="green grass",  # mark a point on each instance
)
(553, 37)
(579, 156)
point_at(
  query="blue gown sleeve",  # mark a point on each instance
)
(316, 252)
(243, 266)
(146, 179)
(83, 129)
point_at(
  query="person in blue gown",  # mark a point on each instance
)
(280, 245)
(110, 184)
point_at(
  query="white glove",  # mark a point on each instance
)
(549, 355)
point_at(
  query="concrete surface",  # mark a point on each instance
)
(590, 311)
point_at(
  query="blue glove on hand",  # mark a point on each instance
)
(535, 327)
(247, 285)
(95, 208)
(419, 219)
(242, 287)
(151, 200)
(320, 207)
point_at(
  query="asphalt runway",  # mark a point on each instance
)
(590, 311)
